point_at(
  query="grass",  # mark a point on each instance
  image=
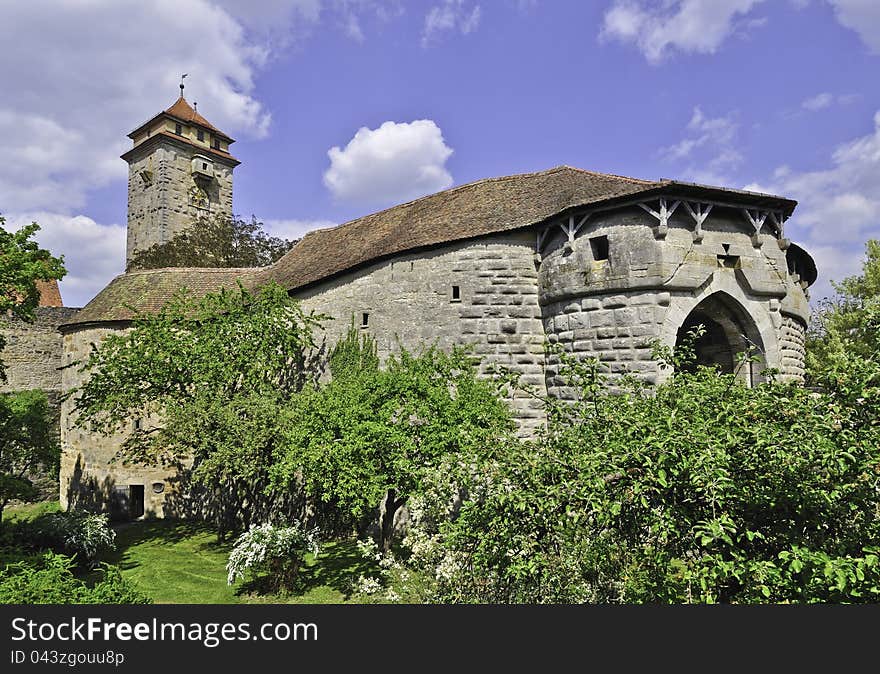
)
(182, 562)
(29, 511)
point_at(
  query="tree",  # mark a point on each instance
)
(701, 490)
(842, 324)
(27, 444)
(220, 241)
(22, 264)
(367, 438)
(206, 375)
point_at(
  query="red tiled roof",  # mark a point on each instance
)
(50, 295)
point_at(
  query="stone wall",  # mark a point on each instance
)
(170, 200)
(33, 353)
(33, 358)
(409, 302)
(792, 335)
(90, 472)
(648, 284)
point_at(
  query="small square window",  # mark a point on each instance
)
(456, 293)
(729, 261)
(599, 247)
(365, 320)
(178, 129)
(201, 135)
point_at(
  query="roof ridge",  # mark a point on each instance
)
(156, 270)
(473, 183)
(639, 181)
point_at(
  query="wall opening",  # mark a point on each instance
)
(136, 500)
(365, 320)
(456, 293)
(599, 247)
(729, 336)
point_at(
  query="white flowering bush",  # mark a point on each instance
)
(86, 536)
(388, 578)
(272, 553)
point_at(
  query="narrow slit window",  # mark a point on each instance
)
(365, 320)
(138, 424)
(204, 166)
(178, 129)
(456, 293)
(599, 246)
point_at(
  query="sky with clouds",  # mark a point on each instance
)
(344, 107)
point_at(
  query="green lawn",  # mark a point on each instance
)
(29, 511)
(182, 563)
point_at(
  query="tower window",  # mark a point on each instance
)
(599, 247)
(456, 293)
(204, 166)
(201, 135)
(178, 129)
(138, 424)
(216, 144)
(365, 319)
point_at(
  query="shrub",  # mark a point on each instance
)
(85, 536)
(702, 490)
(273, 553)
(49, 579)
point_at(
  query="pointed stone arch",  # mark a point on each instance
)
(728, 333)
(756, 318)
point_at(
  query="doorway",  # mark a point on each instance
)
(729, 335)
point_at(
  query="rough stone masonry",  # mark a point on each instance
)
(599, 264)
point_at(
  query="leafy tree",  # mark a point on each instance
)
(702, 490)
(843, 324)
(205, 375)
(368, 437)
(219, 241)
(22, 264)
(28, 444)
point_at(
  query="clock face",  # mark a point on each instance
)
(198, 197)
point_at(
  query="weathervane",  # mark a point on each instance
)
(181, 83)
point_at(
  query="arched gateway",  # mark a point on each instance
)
(728, 337)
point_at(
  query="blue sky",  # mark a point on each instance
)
(343, 107)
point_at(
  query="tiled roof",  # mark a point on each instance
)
(50, 295)
(476, 209)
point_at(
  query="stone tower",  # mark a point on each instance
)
(179, 170)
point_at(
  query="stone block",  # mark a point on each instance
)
(614, 302)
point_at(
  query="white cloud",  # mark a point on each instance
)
(268, 14)
(93, 253)
(396, 162)
(687, 25)
(709, 148)
(839, 207)
(862, 16)
(295, 229)
(450, 15)
(818, 102)
(88, 75)
(826, 100)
